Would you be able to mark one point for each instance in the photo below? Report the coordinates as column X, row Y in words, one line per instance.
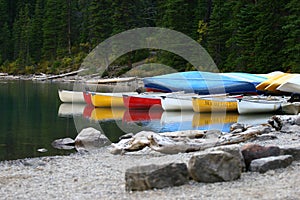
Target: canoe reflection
column 220, row 121
column 142, row 115
column 70, row 109
column 101, row 114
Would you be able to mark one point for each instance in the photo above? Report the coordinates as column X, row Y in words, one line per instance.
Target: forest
column 54, row 36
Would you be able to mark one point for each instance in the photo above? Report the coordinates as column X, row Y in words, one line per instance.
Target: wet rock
column 255, row 151
column 215, row 166
column 156, row 176
column 263, row 165
column 91, row 138
column 42, row 150
column 293, row 150
column 65, row 143
column 234, row 150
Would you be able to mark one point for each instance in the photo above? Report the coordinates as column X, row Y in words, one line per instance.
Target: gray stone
column 237, row 128
column 156, row 176
column 91, row 138
column 287, row 128
column 255, row 151
column 293, row 150
column 214, row 166
column 297, row 121
column 233, row 149
column 264, row 137
column 212, row 134
column 65, row 143
column 262, row 165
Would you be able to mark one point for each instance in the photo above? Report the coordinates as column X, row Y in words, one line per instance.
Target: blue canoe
column 205, row 82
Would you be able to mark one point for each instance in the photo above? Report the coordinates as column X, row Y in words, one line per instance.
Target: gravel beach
column 100, row 175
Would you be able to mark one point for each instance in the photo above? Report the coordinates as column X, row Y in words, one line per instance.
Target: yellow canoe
column 203, row 119
column 214, row 104
column 107, row 99
column 100, row 114
column 273, row 86
column 262, row 86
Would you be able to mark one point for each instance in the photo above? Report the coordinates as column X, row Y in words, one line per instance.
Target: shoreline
column 100, row 175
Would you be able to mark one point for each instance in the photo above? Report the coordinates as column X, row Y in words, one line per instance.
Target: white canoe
column 247, row 106
column 292, row 85
column 68, row 96
column 291, row 108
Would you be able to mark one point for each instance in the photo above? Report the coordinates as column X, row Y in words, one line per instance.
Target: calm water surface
column 32, row 117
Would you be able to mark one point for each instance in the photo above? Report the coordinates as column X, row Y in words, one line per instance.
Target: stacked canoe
column 200, row 92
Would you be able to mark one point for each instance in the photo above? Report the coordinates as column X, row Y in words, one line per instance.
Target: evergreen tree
column 36, row 39
column 292, row 36
column 5, row 39
column 270, row 36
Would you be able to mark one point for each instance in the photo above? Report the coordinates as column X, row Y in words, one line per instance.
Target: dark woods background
column 54, row 36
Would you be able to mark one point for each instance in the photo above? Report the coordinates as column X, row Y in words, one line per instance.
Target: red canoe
column 87, row 98
column 142, row 101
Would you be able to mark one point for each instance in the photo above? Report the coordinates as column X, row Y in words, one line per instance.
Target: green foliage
column 54, row 36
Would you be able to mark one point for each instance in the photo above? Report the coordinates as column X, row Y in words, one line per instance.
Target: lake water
column 32, row 117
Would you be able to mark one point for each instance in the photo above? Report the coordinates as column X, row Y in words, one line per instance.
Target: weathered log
column 168, row 143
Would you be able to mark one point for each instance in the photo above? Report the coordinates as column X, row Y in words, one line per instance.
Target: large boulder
column 263, row 165
column 255, row 151
column 214, row 166
column 156, row 176
column 293, row 150
column 91, row 138
column 233, row 149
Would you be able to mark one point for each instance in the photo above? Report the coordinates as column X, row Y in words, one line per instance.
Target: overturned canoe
column 204, row 82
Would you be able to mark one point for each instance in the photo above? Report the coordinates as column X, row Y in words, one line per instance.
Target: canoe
column 214, row 104
column 292, row 85
column 143, row 101
column 108, row 99
column 291, row 108
column 258, row 105
column 178, row 101
column 273, row 82
column 104, row 114
column 87, row 98
column 68, row 96
column 204, row 82
column 274, row 85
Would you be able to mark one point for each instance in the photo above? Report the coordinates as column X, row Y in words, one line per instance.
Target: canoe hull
column 169, row 104
column 248, row 106
column 141, row 102
column 107, row 100
column 67, row 96
column 214, row 105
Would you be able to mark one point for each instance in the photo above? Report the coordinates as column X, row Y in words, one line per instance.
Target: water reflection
column 114, row 122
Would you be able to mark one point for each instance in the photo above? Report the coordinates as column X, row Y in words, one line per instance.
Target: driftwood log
column 186, row 141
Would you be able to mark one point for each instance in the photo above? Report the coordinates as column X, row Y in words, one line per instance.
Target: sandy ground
column 101, row 175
